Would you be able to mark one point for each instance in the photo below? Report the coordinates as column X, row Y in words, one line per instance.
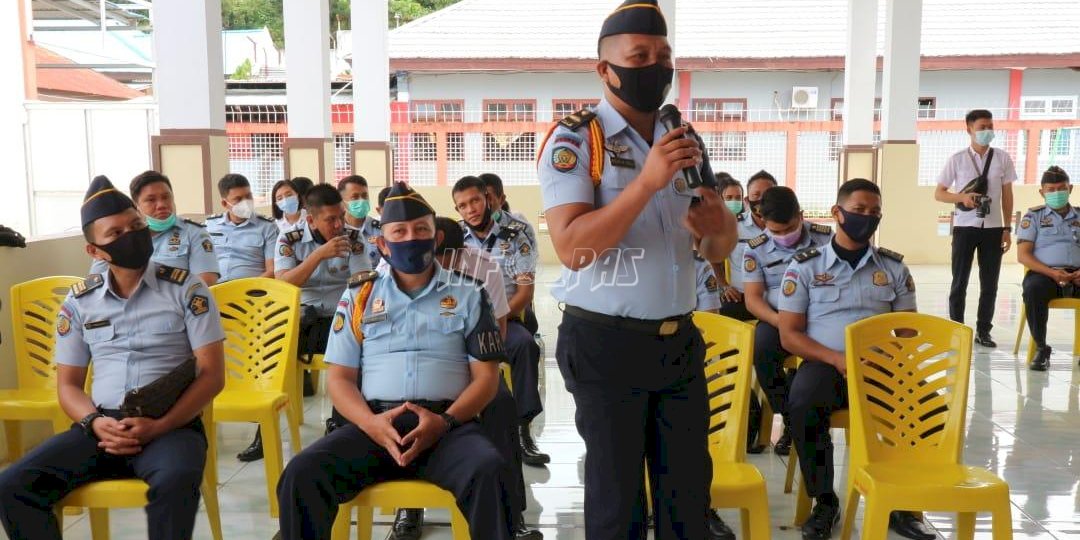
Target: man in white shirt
column 982, row 220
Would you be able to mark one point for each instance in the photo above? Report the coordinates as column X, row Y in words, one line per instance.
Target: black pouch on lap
column 155, row 399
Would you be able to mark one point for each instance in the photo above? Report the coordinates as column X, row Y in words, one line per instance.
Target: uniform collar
column 496, row 226
column 1071, row 214
column 439, row 280
column 610, row 119
column 830, row 257
column 149, row 277
column 307, row 233
column 229, row 222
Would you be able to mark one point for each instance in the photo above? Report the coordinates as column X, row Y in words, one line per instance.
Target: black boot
column 907, row 525
column 530, row 454
column 715, row 528
column 1041, row 362
column 983, row 339
column 783, row 444
column 522, row 532
column 309, row 389
column 408, row 524
column 824, row 516
column 254, row 451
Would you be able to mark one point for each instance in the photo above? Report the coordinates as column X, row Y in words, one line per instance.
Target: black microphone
column 671, row 118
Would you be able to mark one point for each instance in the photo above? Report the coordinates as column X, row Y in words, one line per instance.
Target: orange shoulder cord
column 358, row 310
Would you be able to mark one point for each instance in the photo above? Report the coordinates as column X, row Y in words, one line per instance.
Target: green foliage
column 243, row 71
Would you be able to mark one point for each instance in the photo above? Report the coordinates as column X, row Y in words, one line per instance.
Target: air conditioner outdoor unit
column 804, row 97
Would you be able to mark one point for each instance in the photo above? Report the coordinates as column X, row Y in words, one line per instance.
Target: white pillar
column 669, row 7
column 15, row 204
column 860, row 81
column 900, row 80
column 371, row 91
column 189, row 84
column 309, row 149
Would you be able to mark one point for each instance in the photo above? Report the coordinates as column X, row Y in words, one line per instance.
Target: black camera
column 982, row 206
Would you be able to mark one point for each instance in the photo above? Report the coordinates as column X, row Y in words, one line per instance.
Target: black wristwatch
column 86, row 424
column 451, row 422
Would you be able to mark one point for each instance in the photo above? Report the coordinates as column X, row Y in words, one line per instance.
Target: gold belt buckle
column 668, row 328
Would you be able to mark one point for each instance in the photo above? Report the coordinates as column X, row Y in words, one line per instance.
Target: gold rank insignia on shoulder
column 172, row 275
column 891, row 254
column 806, row 255
column 578, row 119
column 91, row 282
column 758, row 240
column 362, row 277
column 294, row 236
column 820, row 228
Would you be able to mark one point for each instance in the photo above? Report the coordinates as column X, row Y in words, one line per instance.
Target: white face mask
column 243, row 209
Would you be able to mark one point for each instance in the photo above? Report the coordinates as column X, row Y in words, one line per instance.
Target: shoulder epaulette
column 264, row 218
column 361, row 278
column 171, row 274
column 91, row 282
column 376, row 224
column 294, row 236
column 757, row 240
column 355, row 234
column 806, row 254
column 891, row 254
column 195, row 223
column 1037, row 208
column 578, row 119
column 820, row 228
column 215, row 216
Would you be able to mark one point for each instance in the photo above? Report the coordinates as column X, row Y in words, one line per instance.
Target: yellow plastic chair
column 728, row 367
column 261, row 320
column 396, row 494
column 34, row 307
column 100, row 496
column 907, row 382
column 1057, row 303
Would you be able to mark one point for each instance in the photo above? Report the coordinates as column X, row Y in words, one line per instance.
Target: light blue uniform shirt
column 650, row 273
column 765, row 261
column 323, row 289
column 415, row 348
column 1056, row 237
column 186, row 245
column 509, row 244
column 708, row 288
column 135, row 341
column 242, row 248
column 363, row 238
column 748, row 230
column 832, row 295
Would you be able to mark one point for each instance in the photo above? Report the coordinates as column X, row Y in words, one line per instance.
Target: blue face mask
column 359, row 208
column 984, row 137
column 411, row 256
column 159, row 225
column 289, row 204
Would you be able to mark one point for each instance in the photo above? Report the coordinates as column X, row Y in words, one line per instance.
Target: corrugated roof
column 567, row 29
column 84, row 82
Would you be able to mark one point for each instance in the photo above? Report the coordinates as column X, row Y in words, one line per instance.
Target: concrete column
column 912, row 229
column 309, row 148
column 371, row 92
column 15, row 205
column 860, row 71
column 189, row 83
column 676, row 94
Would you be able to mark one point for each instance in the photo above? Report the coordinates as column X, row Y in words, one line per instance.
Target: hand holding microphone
column 671, row 119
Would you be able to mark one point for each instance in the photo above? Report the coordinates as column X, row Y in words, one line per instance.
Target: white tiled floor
column 1024, row 426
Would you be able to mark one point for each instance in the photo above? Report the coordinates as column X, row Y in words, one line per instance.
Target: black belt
column 437, row 407
column 660, row 327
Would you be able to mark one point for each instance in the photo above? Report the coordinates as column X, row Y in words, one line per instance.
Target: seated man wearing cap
column 413, row 356
column 142, row 323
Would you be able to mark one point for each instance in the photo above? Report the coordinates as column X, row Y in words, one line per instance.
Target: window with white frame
column 1048, row 107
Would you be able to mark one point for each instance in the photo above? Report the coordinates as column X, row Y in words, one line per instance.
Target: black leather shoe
column 821, row 522
column 907, row 525
column 530, row 454
column 521, row 532
column 715, row 528
column 783, row 444
column 408, row 524
column 309, row 389
column 254, row 451
column 1041, row 362
column 983, row 339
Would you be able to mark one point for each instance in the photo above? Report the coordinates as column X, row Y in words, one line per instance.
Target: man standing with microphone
column 623, row 217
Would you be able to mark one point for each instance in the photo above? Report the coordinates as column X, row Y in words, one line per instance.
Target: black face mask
column 643, row 88
column 755, row 207
column 131, row 250
column 317, row 236
column 859, row 227
column 484, row 222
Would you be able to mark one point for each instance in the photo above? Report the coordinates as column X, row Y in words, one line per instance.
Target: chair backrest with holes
column 34, row 307
column 907, row 376
column 728, row 367
column 261, row 318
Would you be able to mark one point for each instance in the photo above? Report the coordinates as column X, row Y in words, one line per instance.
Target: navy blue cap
column 103, row 199
column 635, row 17
column 404, row 204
